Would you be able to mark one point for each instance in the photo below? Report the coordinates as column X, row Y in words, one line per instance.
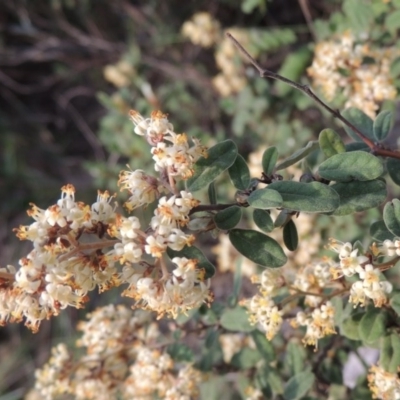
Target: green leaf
column 269, row 159
column 212, row 194
column 282, row 218
column 239, row 173
column 295, row 357
column 180, row 352
column 382, row 125
column 290, row 237
column 395, row 303
column 258, row 247
column 298, row 385
column 357, row 166
column 393, row 168
column 298, row 155
column 392, row 22
column 194, row 253
column 263, row 220
column 360, row 15
column 379, row 232
column 359, row 196
column 263, row 345
column 330, row 143
column 265, row 198
column 391, row 216
column 246, row 358
column 228, row 218
column 349, row 326
column 236, row 319
column 237, row 284
column 390, row 353
column 361, row 121
column 372, row 325
column 314, row 197
column 357, row 146
column 220, row 158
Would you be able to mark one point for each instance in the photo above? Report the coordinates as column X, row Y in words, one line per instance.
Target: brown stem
column 265, row 73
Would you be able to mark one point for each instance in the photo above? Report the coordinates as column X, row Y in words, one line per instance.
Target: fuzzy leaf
column 263, row 220
column 269, row 159
column 379, row 232
column 391, row 216
column 298, row 155
column 265, row 198
column 228, row 218
column 361, row 121
column 330, row 143
column 258, row 247
column 236, row 319
column 393, row 168
column 354, row 166
column 359, row 196
column 290, row 237
column 220, row 158
column 314, row 197
column 382, row 125
column 298, row 385
column 372, row 325
column 239, row 173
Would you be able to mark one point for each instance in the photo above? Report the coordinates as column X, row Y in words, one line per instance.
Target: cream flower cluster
column 119, row 362
column 371, row 284
column 79, row 247
column 319, row 324
column 262, row 309
column 46, row 281
column 339, row 67
column 383, row 385
column 202, row 29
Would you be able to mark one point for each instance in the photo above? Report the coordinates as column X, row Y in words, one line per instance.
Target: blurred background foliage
column 70, row 70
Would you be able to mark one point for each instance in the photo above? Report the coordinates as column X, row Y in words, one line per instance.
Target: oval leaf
column 359, row 196
column 192, row 253
column 236, row 319
column 258, row 247
column 228, row 218
column 372, row 325
column 314, row 197
column 391, row 216
column 298, row 385
column 379, row 232
column 354, row 166
column 298, row 155
column 393, row 168
column 239, row 173
column 263, row 220
column 265, row 199
column 382, row 125
column 361, row 121
column 331, row 143
column 269, row 159
column 245, row 358
column 290, row 237
column 220, row 158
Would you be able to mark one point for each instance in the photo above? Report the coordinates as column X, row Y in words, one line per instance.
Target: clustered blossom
column 79, row 247
column 371, row 283
column 262, row 309
column 339, row 66
column 318, row 325
column 383, row 384
column 202, row 29
column 119, row 362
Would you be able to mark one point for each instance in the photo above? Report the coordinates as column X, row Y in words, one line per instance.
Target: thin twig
column 265, row 73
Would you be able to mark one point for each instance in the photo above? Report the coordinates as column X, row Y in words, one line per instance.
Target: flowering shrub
column 307, row 309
